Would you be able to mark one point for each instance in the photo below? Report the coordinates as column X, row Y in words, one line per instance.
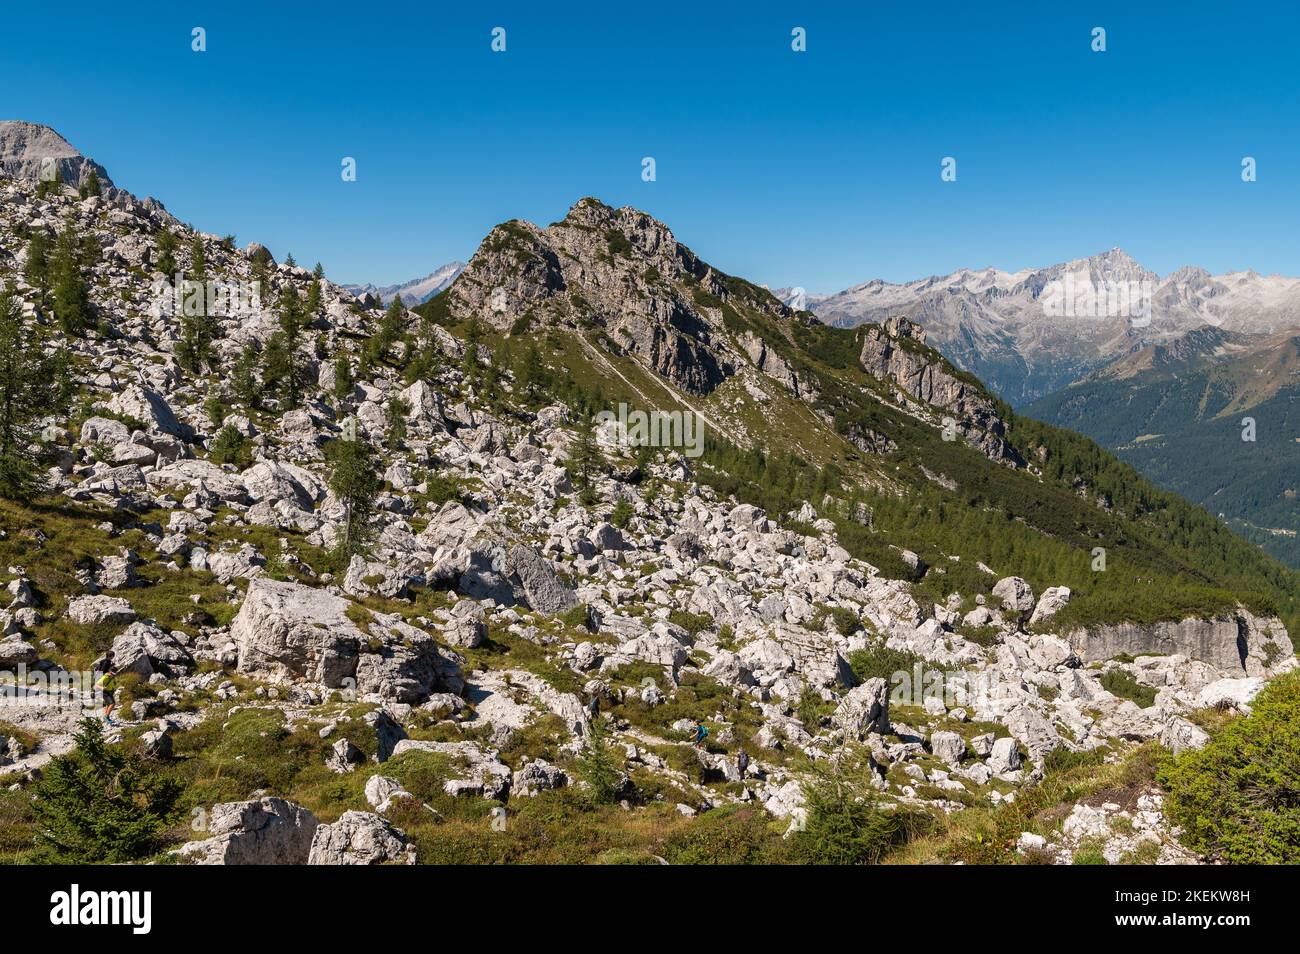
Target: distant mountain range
column 415, row 292
column 1032, row 332
column 1181, row 412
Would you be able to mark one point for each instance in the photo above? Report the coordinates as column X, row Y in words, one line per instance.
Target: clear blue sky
column 818, row 169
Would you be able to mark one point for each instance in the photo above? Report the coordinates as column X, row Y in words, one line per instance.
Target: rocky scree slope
column 513, row 609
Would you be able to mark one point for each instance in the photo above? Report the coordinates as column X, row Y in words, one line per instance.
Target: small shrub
column 229, row 447
column 1122, row 683
column 882, row 662
column 1237, row 799
column 847, row 825
column 598, row 767
column 622, row 514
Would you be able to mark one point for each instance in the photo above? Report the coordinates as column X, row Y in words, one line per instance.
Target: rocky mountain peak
column 26, row 148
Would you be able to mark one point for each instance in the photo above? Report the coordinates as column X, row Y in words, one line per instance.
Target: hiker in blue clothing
column 701, row 733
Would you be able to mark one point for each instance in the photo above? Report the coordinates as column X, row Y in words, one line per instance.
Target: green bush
column 732, row 835
column 693, row 623
column 1122, row 683
column 621, row 514
column 229, row 447
column 100, row 804
column 881, row 661
column 599, row 767
column 1238, row 798
column 848, row 826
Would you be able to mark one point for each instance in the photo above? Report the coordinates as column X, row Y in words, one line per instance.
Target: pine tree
column 318, row 272
column 261, row 269
column 244, row 380
column 355, row 483
column 99, row 804
column 597, row 765
column 585, row 458
column 29, row 391
column 389, row 331
column 167, row 244
column 471, row 366
column 313, row 299
column 198, row 260
column 285, row 369
column 344, row 382
column 92, row 185
column 36, row 270
column 398, row 408
column 71, row 298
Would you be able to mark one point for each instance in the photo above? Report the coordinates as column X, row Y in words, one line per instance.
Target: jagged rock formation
column 28, row 151
column 886, row 355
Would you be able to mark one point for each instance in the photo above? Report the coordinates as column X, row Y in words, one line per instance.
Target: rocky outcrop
column 29, row 150
column 264, row 831
column 1233, row 642
column 360, row 838
column 618, row 268
column 896, row 351
column 537, row 582
column 287, row 631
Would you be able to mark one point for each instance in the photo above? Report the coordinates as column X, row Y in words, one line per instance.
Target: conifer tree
column 585, row 458
column 101, row 805
column 244, row 379
column 355, row 482
column 29, row 391
column 36, row 270
column 344, row 382
column 68, row 286
column 92, row 185
column 167, row 253
column 198, row 260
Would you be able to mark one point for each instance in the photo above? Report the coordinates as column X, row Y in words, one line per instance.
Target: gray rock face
column 287, row 631
column 24, row 147
column 1053, row 600
column 1004, row 757
column 537, row 776
column 273, row 481
column 1015, row 594
column 1236, row 643
column 149, row 408
column 14, row 651
column 541, row 587
column 864, row 709
column 948, row 746
column 360, row 838
column 893, row 352
column 144, row 649
column 467, row 627
column 606, row 259
column 344, row 757
column 100, row 610
column 265, row 831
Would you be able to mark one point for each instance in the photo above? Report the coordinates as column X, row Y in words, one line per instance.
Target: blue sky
column 818, row 169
